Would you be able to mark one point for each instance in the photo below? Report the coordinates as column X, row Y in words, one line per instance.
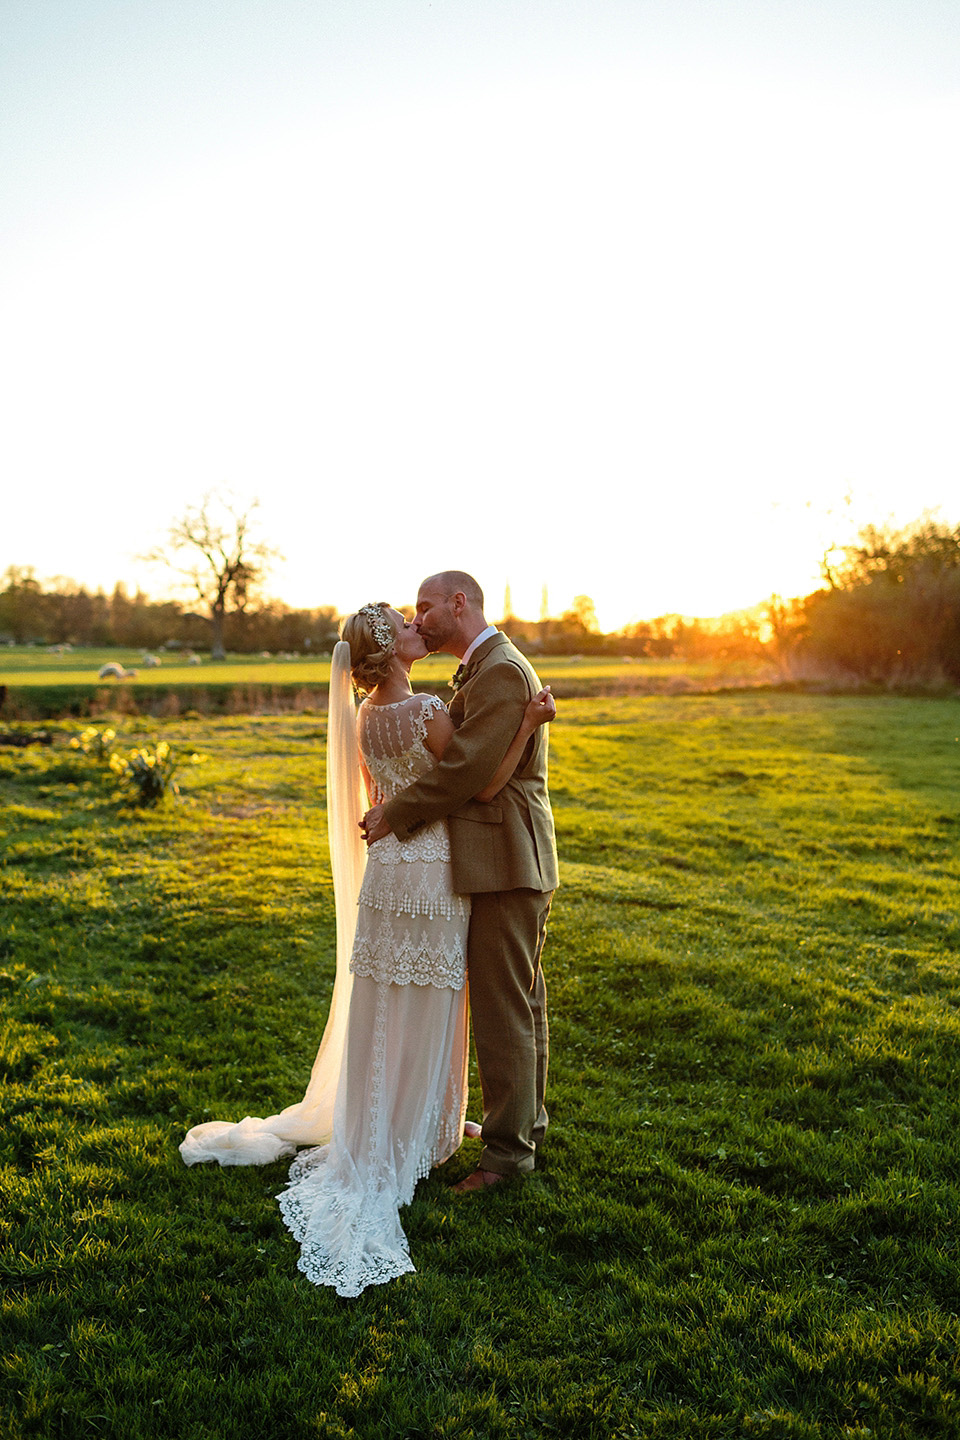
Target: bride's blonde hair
column 366, row 633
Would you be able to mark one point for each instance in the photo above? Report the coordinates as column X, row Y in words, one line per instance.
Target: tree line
column 67, row 614
column 888, row 613
column 63, row 613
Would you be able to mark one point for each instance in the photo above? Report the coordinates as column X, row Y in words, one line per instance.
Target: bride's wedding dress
column 387, row 1095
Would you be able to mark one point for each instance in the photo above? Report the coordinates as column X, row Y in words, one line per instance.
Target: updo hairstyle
column 369, row 658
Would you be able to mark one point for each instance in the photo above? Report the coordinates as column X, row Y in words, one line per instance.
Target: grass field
column 30, row 665
column 745, row 1219
column 44, row 683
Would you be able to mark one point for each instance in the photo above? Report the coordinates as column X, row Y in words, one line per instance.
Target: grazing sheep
column 194, row 660
column 151, row 661
column 113, row 671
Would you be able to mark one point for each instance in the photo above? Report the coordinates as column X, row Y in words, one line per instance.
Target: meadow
column 47, row 682
column 744, row 1221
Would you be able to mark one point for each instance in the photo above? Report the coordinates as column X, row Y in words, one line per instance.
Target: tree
column 579, row 625
column 22, row 607
column 214, row 547
column 891, row 612
column 584, row 615
column 786, row 625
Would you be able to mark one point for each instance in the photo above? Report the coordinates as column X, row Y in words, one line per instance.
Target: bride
column 387, row 1094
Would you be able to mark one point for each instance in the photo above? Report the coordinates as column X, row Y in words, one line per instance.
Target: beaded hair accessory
column 383, row 631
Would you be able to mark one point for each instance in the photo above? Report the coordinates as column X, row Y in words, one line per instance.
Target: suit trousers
column 508, row 1007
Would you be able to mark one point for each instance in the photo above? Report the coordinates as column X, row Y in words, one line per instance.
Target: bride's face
column 409, row 645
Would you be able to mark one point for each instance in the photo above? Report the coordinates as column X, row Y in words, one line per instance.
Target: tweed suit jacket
column 509, row 843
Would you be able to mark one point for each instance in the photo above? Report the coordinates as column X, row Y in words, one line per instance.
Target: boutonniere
column 456, row 679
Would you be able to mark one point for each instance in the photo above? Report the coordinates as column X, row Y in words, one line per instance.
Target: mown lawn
column 745, row 1219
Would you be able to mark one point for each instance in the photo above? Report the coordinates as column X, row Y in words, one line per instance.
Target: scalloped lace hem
column 350, row 1234
column 349, row 1284
column 376, row 1247
column 421, row 962
column 454, row 979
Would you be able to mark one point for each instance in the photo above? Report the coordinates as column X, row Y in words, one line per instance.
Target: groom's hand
column 373, row 827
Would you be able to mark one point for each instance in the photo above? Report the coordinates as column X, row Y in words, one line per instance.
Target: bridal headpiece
column 383, row 631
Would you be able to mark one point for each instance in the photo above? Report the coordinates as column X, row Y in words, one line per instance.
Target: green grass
column 745, row 1219
column 32, row 667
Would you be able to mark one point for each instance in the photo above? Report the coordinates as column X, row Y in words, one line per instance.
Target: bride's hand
column 373, row 827
column 541, row 709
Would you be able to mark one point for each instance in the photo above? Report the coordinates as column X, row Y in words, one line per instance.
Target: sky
column 653, row 301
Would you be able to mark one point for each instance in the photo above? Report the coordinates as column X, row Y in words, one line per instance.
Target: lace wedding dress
column 387, row 1095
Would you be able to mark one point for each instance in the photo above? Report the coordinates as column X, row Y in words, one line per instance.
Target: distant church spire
column 544, row 606
column 507, row 603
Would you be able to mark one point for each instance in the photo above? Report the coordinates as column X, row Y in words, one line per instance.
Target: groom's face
column 436, row 617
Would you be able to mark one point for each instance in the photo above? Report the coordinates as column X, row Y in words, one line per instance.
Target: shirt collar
column 487, row 634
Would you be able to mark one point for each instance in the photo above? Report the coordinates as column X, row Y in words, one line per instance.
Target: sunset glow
column 638, row 307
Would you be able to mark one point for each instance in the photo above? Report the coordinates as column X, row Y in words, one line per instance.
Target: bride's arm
column 539, row 710
column 367, row 782
column 439, row 732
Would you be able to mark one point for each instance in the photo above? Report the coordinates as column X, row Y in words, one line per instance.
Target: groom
column 504, row 856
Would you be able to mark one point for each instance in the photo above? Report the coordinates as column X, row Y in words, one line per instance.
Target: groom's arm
column 493, row 710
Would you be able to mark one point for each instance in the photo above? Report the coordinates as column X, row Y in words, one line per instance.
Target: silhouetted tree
column 786, row 622
column 213, row 547
column 22, row 615
column 891, row 610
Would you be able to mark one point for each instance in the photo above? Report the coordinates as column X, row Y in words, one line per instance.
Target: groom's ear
column 459, row 602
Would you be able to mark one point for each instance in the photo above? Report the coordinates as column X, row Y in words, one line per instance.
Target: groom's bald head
column 450, row 611
column 452, row 582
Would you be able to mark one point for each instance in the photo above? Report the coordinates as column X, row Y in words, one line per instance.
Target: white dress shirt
column 474, row 644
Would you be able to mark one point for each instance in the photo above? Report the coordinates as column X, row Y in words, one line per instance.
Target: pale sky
column 649, row 300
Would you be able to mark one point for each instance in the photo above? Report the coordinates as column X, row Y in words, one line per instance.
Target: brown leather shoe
column 478, row 1180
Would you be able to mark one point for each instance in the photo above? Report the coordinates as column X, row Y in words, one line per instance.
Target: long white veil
column 253, row 1141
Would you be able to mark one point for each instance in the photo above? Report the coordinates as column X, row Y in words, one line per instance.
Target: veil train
column 255, row 1141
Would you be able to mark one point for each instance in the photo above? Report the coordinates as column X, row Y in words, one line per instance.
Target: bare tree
column 214, row 547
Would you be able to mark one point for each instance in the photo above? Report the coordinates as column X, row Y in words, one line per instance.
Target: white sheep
column 151, row 661
column 113, row 671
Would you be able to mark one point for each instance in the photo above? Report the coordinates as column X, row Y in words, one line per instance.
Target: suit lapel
column 481, row 653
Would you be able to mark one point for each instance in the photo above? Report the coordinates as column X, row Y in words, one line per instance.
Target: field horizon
column 54, row 682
